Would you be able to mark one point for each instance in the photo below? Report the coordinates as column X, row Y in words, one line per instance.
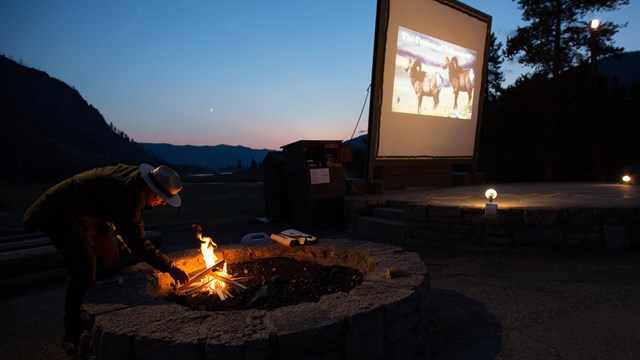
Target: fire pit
column 382, row 317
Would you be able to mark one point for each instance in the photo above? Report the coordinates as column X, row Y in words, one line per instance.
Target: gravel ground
column 533, row 305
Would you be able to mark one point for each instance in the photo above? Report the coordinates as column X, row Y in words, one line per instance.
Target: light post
column 594, row 26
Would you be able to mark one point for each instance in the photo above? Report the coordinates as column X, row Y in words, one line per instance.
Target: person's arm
column 178, row 275
column 132, row 232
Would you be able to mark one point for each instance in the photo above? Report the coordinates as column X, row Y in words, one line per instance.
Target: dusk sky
column 255, row 73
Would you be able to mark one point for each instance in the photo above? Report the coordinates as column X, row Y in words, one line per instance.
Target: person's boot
column 72, row 332
column 70, row 345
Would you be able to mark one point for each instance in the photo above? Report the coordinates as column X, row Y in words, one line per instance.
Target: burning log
column 222, row 292
column 227, row 292
column 216, row 282
column 197, row 287
column 200, row 275
column 233, row 283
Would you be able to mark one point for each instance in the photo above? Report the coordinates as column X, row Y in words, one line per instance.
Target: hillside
column 51, row 132
column 209, row 157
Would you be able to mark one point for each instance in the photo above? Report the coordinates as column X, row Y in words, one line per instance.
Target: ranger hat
column 164, row 181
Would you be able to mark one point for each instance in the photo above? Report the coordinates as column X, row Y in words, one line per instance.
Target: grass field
column 215, row 203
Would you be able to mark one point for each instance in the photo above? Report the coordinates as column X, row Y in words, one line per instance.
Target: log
column 235, row 284
column 200, row 275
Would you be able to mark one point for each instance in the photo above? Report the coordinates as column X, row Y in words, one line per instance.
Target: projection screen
column 428, row 79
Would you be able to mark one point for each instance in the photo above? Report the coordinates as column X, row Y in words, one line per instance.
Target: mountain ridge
column 211, row 157
column 51, row 132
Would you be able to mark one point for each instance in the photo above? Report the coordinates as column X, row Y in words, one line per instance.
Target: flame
column 207, row 248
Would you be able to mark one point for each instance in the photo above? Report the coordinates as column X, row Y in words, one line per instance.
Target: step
column 389, row 213
column 380, row 228
column 33, row 255
column 20, row 237
column 24, row 244
column 27, row 261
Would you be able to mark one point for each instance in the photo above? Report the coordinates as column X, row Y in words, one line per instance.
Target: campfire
column 145, row 316
column 213, row 279
column 262, row 283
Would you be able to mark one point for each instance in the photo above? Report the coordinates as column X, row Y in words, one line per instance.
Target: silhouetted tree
column 254, row 164
column 495, row 78
column 557, row 35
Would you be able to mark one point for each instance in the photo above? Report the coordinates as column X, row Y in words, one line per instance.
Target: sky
column 256, row 73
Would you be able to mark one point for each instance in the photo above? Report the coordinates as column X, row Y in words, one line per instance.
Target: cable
column 354, row 132
column 361, row 111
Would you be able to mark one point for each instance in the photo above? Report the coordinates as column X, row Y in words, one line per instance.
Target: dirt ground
column 532, row 305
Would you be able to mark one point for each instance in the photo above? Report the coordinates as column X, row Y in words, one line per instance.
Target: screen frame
column 377, row 78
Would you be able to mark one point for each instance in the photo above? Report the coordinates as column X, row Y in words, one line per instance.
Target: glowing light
column 594, row 24
column 491, row 194
column 626, row 178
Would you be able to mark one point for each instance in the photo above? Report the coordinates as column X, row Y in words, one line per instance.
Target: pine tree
column 494, row 73
column 557, row 37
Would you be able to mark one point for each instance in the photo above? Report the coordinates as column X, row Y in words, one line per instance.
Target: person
column 78, row 215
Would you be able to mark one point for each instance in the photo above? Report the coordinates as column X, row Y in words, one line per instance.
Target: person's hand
column 178, row 275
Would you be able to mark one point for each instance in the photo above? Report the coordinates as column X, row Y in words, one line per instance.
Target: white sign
column 319, row 176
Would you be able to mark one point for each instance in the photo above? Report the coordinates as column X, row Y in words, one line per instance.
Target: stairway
column 383, row 223
column 30, row 253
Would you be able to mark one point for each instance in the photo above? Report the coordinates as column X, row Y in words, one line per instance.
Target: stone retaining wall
column 557, row 227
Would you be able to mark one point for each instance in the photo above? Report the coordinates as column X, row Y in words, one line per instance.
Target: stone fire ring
column 383, row 318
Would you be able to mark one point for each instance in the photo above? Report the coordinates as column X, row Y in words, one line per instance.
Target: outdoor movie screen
column 432, row 80
column 422, row 65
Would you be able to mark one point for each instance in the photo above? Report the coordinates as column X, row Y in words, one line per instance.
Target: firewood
column 193, row 289
column 221, row 294
column 200, row 275
column 235, row 284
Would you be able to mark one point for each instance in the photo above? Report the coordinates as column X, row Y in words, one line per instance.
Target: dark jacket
column 112, row 194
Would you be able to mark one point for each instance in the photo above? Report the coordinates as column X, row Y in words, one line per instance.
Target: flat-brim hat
column 164, row 181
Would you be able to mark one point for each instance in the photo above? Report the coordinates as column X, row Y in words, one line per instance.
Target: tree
column 494, row 73
column 557, row 36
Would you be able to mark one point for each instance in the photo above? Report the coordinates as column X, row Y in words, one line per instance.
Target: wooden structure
column 316, row 181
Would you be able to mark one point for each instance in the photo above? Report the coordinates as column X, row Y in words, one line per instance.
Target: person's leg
column 106, row 251
column 70, row 237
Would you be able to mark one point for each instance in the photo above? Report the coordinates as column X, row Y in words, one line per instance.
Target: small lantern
column 491, row 194
column 491, row 210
